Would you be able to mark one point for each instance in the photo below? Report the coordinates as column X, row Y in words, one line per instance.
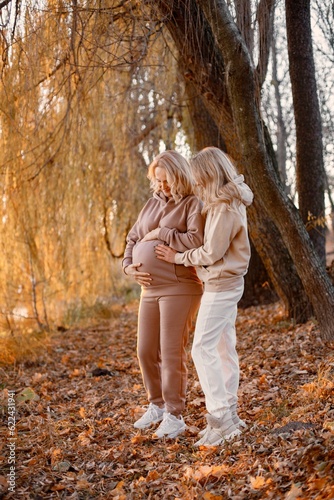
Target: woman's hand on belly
column 140, row 277
column 165, row 253
column 152, row 235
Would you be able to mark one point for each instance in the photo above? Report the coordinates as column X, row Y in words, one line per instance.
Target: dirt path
column 75, row 439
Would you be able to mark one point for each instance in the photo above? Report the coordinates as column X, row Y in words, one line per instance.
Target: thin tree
column 309, row 158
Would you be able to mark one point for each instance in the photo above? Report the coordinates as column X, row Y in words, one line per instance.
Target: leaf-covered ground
column 75, row 407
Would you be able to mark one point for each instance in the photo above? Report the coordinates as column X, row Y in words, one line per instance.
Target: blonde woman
column 170, row 293
column 222, row 262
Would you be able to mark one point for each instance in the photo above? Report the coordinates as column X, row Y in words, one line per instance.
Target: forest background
column 90, row 93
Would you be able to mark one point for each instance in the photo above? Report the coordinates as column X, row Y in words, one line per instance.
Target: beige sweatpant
column 164, row 323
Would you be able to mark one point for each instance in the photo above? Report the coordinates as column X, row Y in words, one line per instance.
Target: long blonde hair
column 177, row 172
column 214, row 175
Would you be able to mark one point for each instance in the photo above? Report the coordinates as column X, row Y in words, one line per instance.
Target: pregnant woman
column 170, row 294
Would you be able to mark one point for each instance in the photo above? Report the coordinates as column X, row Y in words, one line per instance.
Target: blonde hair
column 177, row 172
column 214, row 175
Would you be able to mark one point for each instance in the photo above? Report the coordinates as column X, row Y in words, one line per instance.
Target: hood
column 245, row 191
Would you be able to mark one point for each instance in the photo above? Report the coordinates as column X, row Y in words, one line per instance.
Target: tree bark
column 265, row 15
column 204, row 131
column 263, row 178
column 309, row 159
column 259, row 289
column 277, row 260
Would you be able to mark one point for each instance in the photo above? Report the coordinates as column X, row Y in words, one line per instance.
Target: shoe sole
column 241, row 427
column 228, row 437
column 171, row 435
column 222, row 439
column 147, row 425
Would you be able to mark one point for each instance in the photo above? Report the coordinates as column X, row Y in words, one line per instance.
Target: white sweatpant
column 214, row 349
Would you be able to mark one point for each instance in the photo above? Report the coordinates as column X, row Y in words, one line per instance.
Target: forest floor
column 76, row 403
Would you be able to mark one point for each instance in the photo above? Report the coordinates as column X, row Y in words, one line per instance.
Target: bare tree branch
column 4, row 3
column 265, row 19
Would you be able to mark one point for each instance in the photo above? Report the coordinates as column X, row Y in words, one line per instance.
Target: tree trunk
column 278, row 263
column 259, row 289
column 263, row 178
column 204, row 67
column 204, row 130
column 309, row 158
column 281, row 135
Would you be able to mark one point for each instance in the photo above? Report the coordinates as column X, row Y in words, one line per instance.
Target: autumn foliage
column 77, row 401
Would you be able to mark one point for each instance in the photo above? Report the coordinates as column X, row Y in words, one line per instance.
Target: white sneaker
column 237, row 421
column 170, row 427
column 218, row 430
column 152, row 415
column 202, row 432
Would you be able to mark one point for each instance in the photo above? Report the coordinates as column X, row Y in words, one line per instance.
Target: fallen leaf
column 27, row 394
column 205, row 471
column 138, row 439
column 329, row 426
column 55, row 455
column 85, row 437
column 294, row 493
column 82, row 484
column 220, row 470
column 58, row 487
column 152, row 476
column 211, row 496
column 62, row 466
column 257, row 482
column 3, row 481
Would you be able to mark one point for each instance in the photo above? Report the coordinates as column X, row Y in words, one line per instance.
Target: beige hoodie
column 223, row 258
column 181, row 227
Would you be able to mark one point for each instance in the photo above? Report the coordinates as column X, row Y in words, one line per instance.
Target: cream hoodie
column 223, row 258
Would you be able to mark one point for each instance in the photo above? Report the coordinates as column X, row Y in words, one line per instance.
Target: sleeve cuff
column 163, row 233
column 178, row 258
column 126, row 263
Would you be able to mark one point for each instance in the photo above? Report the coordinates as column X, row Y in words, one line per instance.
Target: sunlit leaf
column 211, row 496
column 27, row 394
column 152, row 475
column 294, row 493
column 329, row 426
column 257, row 482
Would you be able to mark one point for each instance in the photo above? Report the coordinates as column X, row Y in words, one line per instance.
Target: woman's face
column 161, row 178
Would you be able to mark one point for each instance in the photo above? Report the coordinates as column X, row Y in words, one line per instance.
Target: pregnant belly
column 161, row 272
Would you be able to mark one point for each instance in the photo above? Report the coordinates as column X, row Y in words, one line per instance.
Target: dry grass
column 322, row 386
column 22, row 346
column 26, row 344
